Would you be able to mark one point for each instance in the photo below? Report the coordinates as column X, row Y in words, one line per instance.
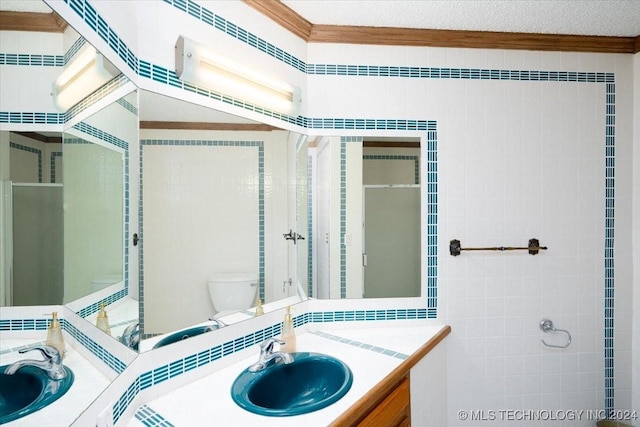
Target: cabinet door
column 393, row 411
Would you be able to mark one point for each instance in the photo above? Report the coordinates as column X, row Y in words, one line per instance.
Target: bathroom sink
column 312, row 381
column 29, row 390
column 184, row 334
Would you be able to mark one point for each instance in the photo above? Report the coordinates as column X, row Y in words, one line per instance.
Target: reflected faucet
column 218, row 324
column 131, row 336
column 52, row 363
column 269, row 357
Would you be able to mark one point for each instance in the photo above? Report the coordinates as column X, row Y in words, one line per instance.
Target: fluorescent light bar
column 198, row 65
column 87, row 72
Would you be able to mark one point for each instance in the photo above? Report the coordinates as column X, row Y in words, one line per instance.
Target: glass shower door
column 37, row 244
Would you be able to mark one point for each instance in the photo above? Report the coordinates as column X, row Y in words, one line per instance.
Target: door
column 391, row 241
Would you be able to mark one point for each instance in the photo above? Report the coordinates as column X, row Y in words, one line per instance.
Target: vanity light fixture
column 87, row 72
column 202, row 67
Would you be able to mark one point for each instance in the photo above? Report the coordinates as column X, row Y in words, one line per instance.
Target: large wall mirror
column 369, row 217
column 218, row 195
column 66, row 223
column 97, row 206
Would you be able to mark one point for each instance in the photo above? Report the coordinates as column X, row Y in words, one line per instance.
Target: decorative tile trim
column 99, row 351
column 219, row 23
column 310, row 228
column 362, row 345
column 150, row 418
column 99, row 134
column 52, row 164
column 609, row 247
column 432, row 224
column 415, row 159
column 128, row 106
column 35, row 151
column 97, row 23
column 32, row 60
column 42, row 324
column 100, row 93
column 31, row 118
column 456, row 73
column 261, row 208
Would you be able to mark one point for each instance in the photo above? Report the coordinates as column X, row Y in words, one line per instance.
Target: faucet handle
column 49, row 353
column 266, row 347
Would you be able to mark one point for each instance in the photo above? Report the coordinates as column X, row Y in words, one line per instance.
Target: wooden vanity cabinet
column 386, row 405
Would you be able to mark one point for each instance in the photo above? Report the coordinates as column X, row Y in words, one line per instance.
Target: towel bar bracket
column 455, row 247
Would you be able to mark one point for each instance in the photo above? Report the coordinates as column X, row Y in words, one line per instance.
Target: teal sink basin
column 29, row 390
column 184, row 334
column 312, row 381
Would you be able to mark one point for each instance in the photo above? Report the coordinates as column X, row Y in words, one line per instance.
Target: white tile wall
column 526, row 136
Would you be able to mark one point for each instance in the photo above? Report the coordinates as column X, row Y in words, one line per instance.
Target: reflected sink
column 29, row 390
column 312, row 381
column 184, row 334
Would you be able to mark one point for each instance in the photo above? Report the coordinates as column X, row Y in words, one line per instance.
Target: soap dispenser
column 288, row 333
column 259, row 309
column 54, row 335
column 102, row 322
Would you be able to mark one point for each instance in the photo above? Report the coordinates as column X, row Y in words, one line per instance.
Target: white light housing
column 197, row 65
column 87, row 72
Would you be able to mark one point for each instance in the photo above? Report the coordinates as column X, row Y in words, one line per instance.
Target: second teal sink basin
column 29, row 390
column 183, row 335
column 312, row 381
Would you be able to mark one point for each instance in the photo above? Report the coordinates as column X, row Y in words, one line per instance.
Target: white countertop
column 207, row 401
column 88, row 383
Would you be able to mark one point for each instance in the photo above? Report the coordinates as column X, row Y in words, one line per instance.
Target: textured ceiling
column 581, row 17
column 25, row 6
column 577, row 17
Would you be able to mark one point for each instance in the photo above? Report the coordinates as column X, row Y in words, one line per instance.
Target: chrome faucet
column 218, row 324
column 131, row 336
column 52, row 363
column 269, row 357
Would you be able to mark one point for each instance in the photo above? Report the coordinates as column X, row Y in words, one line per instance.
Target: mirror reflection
column 218, row 193
column 368, row 233
column 68, row 229
column 93, row 216
column 35, row 200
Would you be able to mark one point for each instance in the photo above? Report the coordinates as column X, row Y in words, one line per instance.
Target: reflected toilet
column 231, row 292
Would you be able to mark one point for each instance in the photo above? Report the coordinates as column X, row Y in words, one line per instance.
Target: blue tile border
column 609, row 248
column 31, row 150
column 310, row 228
column 150, row 418
column 415, row 159
column 260, row 167
column 52, row 164
column 42, row 324
column 364, row 346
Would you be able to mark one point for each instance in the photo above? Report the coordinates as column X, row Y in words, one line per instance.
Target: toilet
column 231, row 292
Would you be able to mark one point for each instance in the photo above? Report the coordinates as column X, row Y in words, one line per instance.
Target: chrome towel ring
column 546, row 325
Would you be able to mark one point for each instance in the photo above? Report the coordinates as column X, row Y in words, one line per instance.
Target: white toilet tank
column 231, row 292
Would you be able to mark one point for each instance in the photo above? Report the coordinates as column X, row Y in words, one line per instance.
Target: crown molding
column 312, row 33
column 40, row 137
column 32, row 21
column 284, row 16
